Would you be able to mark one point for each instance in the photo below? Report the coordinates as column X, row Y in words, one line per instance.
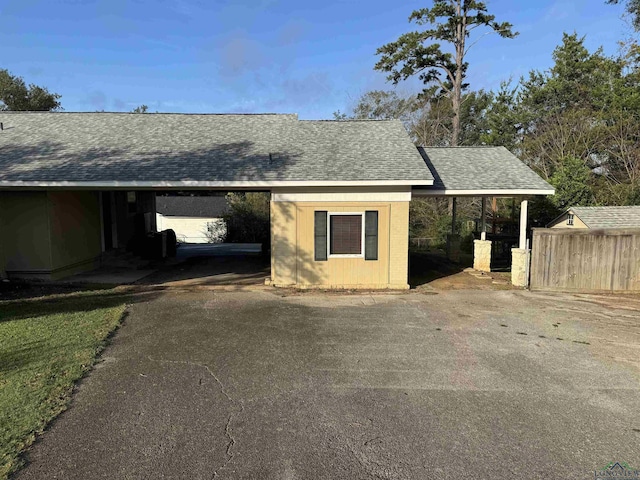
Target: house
column 598, row 217
column 194, row 219
column 75, row 185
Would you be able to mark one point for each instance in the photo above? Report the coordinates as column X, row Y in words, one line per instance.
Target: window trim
column 362, row 234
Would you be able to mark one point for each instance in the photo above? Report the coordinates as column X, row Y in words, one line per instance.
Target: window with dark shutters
column 346, row 235
column 320, row 234
column 371, row 235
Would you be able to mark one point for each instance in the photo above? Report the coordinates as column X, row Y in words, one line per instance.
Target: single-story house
column 598, row 217
column 194, row 219
column 75, row 185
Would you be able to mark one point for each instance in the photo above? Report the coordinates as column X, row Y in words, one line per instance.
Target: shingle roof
column 192, row 206
column 608, row 217
column 43, row 147
column 480, row 168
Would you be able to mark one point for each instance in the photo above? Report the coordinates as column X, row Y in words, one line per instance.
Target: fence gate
column 585, row 260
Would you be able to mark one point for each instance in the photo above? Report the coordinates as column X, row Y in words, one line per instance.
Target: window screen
column 346, row 235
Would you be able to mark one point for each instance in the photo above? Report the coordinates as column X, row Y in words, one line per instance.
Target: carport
column 340, row 190
column 484, row 172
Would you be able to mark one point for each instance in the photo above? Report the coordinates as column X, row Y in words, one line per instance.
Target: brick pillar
column 453, row 247
column 482, row 255
column 520, row 267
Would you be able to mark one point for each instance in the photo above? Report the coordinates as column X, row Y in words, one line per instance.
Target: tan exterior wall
column 561, row 222
column 189, row 229
column 75, row 232
column 24, row 217
column 49, row 234
column 292, row 247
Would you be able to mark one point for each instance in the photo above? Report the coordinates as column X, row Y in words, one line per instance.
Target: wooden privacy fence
column 584, row 260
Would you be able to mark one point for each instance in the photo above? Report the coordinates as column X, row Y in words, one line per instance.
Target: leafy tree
column 340, row 116
column 420, row 53
column 15, row 95
column 248, row 219
column 502, row 120
column 633, row 9
column 571, row 180
column 140, row 109
column 384, row 105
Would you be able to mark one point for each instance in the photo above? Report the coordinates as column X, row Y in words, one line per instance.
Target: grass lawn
column 46, row 345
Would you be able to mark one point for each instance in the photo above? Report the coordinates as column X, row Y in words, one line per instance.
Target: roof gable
column 608, row 217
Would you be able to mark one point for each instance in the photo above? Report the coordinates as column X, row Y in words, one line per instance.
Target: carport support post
column 482, row 247
column 524, row 210
column 520, row 256
column 453, row 239
column 483, row 220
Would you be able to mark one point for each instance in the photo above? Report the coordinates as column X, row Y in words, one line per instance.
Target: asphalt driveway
column 257, row 384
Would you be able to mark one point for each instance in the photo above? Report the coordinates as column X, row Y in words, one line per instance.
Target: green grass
column 46, row 345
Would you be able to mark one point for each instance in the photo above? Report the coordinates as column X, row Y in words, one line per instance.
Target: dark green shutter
column 371, row 235
column 320, row 234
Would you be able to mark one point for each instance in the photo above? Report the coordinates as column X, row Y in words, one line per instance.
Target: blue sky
column 286, row 56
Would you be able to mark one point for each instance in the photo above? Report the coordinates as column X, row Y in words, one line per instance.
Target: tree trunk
column 456, row 101
column 455, row 130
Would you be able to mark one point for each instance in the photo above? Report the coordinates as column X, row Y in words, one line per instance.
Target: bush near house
column 47, row 344
column 248, row 219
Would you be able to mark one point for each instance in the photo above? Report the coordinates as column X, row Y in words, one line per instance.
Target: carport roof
column 124, row 150
column 492, row 171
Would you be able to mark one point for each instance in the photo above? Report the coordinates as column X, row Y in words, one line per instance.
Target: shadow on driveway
column 217, row 264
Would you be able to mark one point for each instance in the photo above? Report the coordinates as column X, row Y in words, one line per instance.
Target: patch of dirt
column 471, row 281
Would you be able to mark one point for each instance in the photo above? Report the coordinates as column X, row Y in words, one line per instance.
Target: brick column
column 520, row 267
column 482, row 255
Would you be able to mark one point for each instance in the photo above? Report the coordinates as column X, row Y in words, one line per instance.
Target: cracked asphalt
column 267, row 384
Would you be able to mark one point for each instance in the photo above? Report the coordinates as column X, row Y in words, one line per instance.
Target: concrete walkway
column 260, row 385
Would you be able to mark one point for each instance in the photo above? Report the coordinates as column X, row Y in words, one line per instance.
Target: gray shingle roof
column 208, row 206
column 480, row 168
column 122, row 147
column 608, row 217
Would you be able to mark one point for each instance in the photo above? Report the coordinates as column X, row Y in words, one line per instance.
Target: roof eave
column 204, row 185
column 489, row 192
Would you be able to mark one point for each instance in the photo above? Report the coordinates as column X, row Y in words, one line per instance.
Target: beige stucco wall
column 49, row 234
column 561, row 222
column 189, row 229
column 292, row 247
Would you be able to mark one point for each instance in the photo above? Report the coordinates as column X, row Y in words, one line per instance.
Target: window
column 345, row 235
column 570, row 219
